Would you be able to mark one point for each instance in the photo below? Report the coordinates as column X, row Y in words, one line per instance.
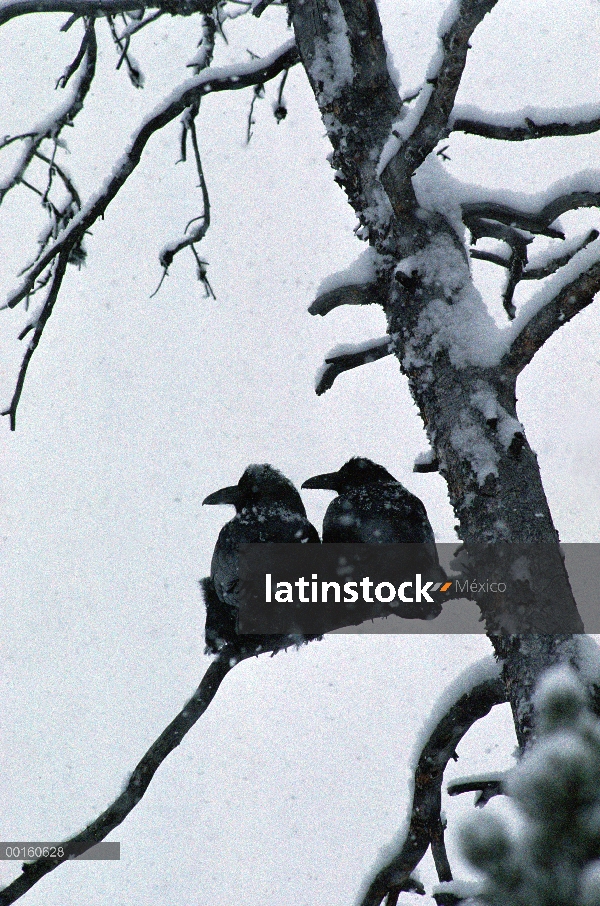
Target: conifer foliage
column 549, row 855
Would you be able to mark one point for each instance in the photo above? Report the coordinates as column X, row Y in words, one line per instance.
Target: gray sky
column 136, row 408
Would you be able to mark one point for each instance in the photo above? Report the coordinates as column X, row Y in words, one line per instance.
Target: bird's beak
column 327, row 482
column 225, row 495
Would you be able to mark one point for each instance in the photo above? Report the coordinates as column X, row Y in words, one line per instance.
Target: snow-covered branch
column 354, row 294
column 526, row 124
column 226, row 78
column 81, row 8
column 551, row 310
column 138, row 781
column 344, row 358
column 425, row 824
column 52, row 125
column 434, row 106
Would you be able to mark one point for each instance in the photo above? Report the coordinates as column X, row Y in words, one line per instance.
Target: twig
column 52, row 127
column 486, row 788
column 337, row 364
column 425, row 810
column 223, row 79
column 139, row 780
column 40, row 323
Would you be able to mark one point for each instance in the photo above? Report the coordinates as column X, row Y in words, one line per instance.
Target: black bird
column 372, row 507
column 268, row 508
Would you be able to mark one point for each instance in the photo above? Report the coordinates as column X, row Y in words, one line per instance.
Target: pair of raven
column 372, row 507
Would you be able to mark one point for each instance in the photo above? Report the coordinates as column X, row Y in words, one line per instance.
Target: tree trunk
column 442, row 333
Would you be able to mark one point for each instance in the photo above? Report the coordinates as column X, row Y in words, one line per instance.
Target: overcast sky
column 136, row 408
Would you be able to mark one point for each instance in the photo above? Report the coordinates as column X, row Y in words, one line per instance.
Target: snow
column 362, row 270
column 332, row 68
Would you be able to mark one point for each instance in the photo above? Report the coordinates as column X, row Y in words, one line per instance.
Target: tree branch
column 425, row 823
column 355, row 294
column 543, row 270
column 338, row 363
column 524, row 127
column 438, row 98
column 14, row 8
column 53, row 125
column 568, row 302
column 534, row 223
column 38, row 329
column 227, row 78
column 139, row 780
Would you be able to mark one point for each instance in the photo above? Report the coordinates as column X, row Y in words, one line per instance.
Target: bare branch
column 485, row 787
column 491, row 257
column 229, row 78
column 197, row 228
column 140, row 779
column 345, row 361
column 522, row 220
column 426, row 804
column 568, row 302
column 441, row 90
column 38, row 329
column 524, row 128
column 355, row 294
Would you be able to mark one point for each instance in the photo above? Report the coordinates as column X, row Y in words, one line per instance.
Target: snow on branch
column 475, row 702
column 225, row 78
column 529, row 123
column 138, row 781
column 485, row 786
column 554, row 306
column 546, row 267
column 429, row 120
column 52, row 125
column 80, row 8
column 344, row 358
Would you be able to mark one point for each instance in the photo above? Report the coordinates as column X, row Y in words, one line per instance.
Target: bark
column 466, row 398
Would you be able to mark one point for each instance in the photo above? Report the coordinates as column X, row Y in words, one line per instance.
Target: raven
column 268, row 508
column 372, row 507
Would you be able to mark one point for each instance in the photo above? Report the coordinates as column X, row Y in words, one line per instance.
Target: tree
column 461, row 368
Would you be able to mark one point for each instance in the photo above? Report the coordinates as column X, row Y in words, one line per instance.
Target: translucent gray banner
column 294, row 589
column 27, row 852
